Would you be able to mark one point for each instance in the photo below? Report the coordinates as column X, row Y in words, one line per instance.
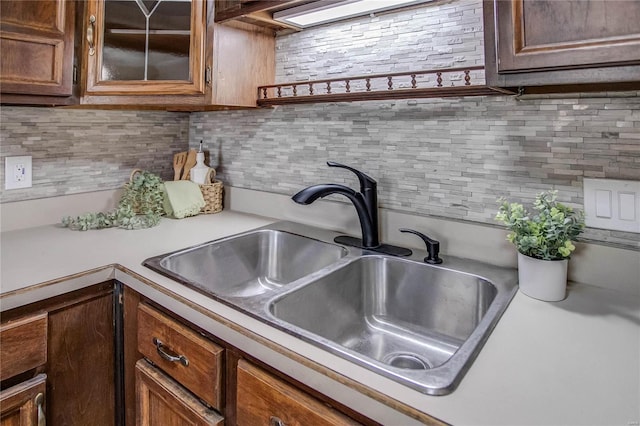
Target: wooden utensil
column 179, row 160
column 188, row 165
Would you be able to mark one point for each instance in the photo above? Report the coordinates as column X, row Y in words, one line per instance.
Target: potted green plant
column 544, row 240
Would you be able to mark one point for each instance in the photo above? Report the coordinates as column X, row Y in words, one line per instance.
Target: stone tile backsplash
column 78, row 151
column 444, row 157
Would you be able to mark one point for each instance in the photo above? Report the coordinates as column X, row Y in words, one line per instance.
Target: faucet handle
column 433, row 246
column 366, row 181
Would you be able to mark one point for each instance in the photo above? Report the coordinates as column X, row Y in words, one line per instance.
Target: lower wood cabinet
column 71, row 339
column 162, row 401
column 24, row 404
column 263, row 399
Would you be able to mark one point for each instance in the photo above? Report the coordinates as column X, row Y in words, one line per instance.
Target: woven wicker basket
column 212, row 194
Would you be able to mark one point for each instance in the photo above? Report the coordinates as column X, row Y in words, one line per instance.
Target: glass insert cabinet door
column 145, row 46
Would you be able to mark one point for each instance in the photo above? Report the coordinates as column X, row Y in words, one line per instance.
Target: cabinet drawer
column 263, row 399
column 162, row 401
column 192, row 360
column 23, row 345
column 23, row 404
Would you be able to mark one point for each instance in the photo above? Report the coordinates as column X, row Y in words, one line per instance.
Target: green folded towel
column 182, row 198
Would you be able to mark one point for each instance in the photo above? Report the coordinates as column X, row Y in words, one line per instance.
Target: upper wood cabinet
column 550, row 42
column 170, row 53
column 36, row 46
column 142, row 48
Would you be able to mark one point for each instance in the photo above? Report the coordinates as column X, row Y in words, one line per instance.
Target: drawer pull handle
column 39, row 401
column 276, row 421
column 170, row 355
column 90, row 35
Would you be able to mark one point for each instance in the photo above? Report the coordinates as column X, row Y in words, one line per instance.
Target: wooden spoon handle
column 178, row 163
column 188, row 165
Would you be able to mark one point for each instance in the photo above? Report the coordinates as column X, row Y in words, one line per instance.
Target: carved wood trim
column 404, row 85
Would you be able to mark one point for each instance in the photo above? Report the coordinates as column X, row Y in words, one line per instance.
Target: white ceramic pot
column 543, row 279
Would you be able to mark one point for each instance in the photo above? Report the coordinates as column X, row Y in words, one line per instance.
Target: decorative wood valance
column 434, row 83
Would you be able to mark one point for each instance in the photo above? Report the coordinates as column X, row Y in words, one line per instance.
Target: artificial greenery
column 140, row 206
column 548, row 232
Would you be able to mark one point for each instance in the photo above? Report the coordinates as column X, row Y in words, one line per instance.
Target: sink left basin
column 248, row 264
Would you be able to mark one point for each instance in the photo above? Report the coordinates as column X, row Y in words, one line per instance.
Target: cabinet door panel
column 36, row 46
column 23, row 404
column 81, row 363
column 145, row 48
column 163, row 402
column 551, row 34
column 264, row 400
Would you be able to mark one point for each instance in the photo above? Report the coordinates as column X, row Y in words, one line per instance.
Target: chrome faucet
column 366, row 204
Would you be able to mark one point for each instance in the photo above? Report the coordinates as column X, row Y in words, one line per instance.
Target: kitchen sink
column 419, row 324
column 248, row 264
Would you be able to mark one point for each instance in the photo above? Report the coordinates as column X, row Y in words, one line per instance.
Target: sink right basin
column 402, row 317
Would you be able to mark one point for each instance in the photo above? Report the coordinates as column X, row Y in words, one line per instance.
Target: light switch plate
column 17, row 172
column 612, row 204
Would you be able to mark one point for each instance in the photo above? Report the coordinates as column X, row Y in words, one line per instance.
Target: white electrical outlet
column 17, row 172
column 612, row 204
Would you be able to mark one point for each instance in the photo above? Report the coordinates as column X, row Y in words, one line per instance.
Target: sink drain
column 407, row 361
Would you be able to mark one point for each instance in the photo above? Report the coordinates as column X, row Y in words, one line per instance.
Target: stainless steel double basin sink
column 418, row 324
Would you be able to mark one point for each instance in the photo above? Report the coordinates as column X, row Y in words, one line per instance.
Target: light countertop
column 570, row 362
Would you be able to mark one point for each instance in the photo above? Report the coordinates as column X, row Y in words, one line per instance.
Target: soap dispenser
column 200, row 170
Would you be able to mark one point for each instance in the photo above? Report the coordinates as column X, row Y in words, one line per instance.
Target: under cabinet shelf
column 434, row 83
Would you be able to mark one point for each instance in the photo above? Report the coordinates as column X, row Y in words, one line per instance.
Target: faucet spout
column 367, row 214
column 312, row 193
